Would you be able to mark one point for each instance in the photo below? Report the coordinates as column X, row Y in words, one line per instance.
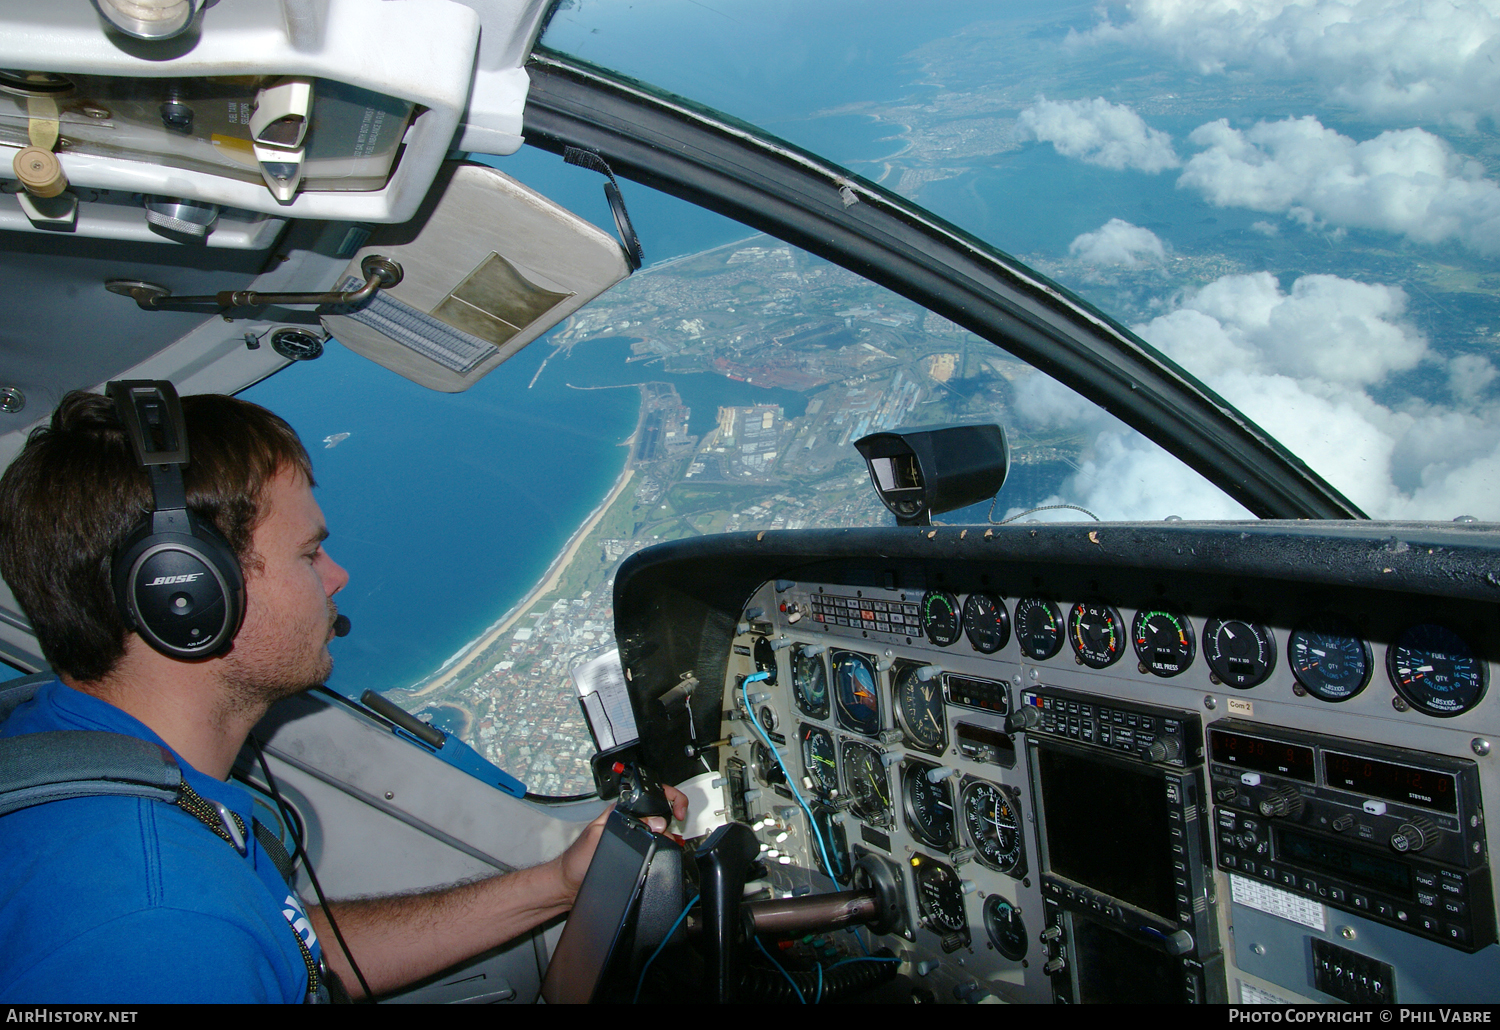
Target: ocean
column 447, row 508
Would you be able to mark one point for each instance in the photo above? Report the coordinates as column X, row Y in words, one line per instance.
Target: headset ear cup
column 182, row 592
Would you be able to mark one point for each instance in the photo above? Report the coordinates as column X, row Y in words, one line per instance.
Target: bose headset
column 177, row 582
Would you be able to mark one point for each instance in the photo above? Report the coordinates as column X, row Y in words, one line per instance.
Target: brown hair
column 76, row 491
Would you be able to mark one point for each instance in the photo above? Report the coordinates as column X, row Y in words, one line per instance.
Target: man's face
column 282, row 648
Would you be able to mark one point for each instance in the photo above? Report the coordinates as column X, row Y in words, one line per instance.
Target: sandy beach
column 548, row 582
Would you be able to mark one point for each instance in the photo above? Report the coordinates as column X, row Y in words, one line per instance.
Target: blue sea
column 447, row 508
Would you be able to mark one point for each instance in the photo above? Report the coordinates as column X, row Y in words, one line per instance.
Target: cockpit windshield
column 1300, row 209
column 1297, row 202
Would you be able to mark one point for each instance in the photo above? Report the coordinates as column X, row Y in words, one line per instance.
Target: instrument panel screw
column 1399, row 703
column 1299, row 689
column 1259, row 949
column 390, row 795
column 1347, row 932
column 12, row 400
column 1480, row 746
column 1210, row 702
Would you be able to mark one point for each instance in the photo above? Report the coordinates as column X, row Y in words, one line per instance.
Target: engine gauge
column 810, row 684
column 1005, row 927
column 1164, row 641
column 940, row 896
column 765, row 659
column 1329, row 658
column 1097, row 634
column 986, row 623
column 920, row 710
column 865, row 780
column 1436, row 670
column 990, row 821
column 928, row 806
column 855, row 693
column 941, row 618
column 819, row 759
column 1039, row 628
column 1242, row 654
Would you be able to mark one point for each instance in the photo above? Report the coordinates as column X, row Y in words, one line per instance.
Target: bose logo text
column 162, row 581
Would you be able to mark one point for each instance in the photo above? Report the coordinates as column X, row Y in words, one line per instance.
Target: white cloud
column 1301, row 364
column 1117, row 242
column 1403, row 58
column 1098, row 133
column 1298, row 363
column 1407, row 181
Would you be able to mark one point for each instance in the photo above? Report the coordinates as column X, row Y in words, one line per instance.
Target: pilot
column 124, row 899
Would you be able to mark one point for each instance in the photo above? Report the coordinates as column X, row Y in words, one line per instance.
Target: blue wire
column 820, row 985
column 800, row 996
column 681, row 916
column 755, row 721
column 866, row 958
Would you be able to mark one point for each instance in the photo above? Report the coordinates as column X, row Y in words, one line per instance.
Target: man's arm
column 399, row 939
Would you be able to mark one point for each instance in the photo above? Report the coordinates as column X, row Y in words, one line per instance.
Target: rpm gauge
column 986, row 623
column 1241, row 654
column 810, row 683
column 929, row 806
column 855, row 693
column 1164, row 641
column 1330, row 659
column 1039, row 628
column 941, row 619
column 919, row 707
column 990, row 821
column 1435, row 669
column 1097, row 634
column 865, row 781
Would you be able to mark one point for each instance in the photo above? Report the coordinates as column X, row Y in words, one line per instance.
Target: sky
column 1396, row 148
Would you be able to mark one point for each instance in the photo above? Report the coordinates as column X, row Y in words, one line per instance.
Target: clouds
column 1407, row 181
column 1306, row 364
column 1117, row 242
column 1302, row 364
column 1098, row 133
column 1417, row 59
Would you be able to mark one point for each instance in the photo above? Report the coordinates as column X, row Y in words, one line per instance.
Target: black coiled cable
column 768, row 986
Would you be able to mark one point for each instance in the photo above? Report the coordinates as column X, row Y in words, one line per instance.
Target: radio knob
column 1414, row 835
column 1163, row 749
column 1283, row 802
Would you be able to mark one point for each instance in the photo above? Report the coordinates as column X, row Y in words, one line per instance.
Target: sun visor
column 488, row 266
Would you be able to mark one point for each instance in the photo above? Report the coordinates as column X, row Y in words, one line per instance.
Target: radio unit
column 1393, row 835
column 1125, row 866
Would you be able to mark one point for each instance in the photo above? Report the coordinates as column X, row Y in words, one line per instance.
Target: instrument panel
column 935, row 725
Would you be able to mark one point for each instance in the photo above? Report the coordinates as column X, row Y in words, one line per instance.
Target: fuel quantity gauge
column 1330, row 659
column 1436, row 670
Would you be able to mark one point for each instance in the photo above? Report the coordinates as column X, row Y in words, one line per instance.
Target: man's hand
column 574, row 863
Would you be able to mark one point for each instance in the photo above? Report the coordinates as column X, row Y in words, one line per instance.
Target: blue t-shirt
column 127, row 900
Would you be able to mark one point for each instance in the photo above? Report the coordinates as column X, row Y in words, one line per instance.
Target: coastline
column 548, row 582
